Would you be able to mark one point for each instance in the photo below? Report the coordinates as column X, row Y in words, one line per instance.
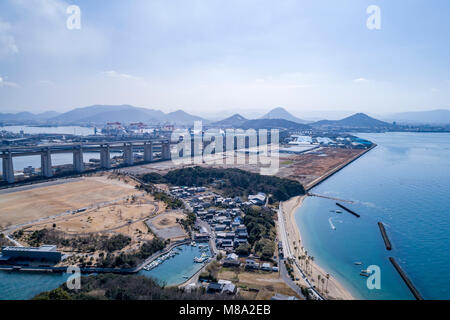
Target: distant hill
column 358, row 120
column 231, row 122
column 101, row 114
column 441, row 116
column 181, row 117
column 281, row 113
column 273, row 124
column 27, row 116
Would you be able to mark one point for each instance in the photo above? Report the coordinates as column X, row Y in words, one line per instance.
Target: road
column 287, row 253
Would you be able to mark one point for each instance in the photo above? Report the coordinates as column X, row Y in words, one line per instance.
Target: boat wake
column 330, row 220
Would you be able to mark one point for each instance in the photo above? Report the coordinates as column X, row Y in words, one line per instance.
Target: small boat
column 193, row 244
column 338, row 211
column 364, row 274
column 366, row 271
column 358, row 263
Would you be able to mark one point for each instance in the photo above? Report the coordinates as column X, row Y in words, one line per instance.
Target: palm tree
column 323, row 283
column 328, row 278
column 318, row 282
column 312, row 260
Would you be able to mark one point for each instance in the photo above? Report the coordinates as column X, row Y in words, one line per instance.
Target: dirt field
column 304, row 168
column 126, row 217
column 267, row 284
column 307, row 167
column 166, row 226
column 43, row 201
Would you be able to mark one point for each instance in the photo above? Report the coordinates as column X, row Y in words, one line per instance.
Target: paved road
column 288, row 254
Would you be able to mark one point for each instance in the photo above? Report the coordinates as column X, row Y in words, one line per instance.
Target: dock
column 387, row 242
column 405, row 278
column 348, row 210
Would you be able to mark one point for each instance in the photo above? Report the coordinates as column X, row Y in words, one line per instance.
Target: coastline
column 336, row 291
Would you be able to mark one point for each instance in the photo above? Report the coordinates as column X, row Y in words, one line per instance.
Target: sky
column 211, row 57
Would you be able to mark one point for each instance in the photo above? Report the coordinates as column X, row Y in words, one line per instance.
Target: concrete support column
column 128, row 154
column 8, row 169
column 78, row 163
column 46, row 163
column 105, row 158
column 148, row 152
column 166, row 150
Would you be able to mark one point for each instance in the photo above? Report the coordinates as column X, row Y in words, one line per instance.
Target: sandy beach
column 336, row 291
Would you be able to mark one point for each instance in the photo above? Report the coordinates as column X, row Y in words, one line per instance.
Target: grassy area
column 258, row 285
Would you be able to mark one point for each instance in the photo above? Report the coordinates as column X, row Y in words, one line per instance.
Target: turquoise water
column 175, row 270
column 23, row 286
column 404, row 183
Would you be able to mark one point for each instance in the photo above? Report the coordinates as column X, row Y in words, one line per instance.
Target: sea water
column 404, row 183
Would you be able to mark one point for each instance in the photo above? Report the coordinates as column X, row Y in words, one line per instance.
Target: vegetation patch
column 124, row 287
column 232, row 182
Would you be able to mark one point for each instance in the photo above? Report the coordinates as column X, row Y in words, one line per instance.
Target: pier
column 405, row 278
column 387, row 242
column 348, row 210
column 310, row 194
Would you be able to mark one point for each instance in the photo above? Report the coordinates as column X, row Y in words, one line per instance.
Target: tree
column 328, row 278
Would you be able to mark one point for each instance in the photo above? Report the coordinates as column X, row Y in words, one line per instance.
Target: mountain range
column 101, row 114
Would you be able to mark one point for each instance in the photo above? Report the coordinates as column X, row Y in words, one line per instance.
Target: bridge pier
column 128, row 154
column 78, row 163
column 46, row 163
column 166, row 150
column 8, row 169
column 105, row 158
column 148, row 152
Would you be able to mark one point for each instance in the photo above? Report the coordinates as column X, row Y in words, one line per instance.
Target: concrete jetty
column 405, row 278
column 387, row 242
column 348, row 210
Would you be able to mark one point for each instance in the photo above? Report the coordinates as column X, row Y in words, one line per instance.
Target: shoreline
column 336, row 290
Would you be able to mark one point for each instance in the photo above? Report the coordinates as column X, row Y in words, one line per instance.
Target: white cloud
column 5, row 83
column 7, row 41
column 434, row 90
column 361, row 80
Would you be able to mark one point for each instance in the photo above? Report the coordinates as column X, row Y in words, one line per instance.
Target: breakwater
column 348, row 210
column 387, row 242
column 405, row 278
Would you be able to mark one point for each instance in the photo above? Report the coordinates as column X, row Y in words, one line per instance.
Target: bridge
column 127, row 147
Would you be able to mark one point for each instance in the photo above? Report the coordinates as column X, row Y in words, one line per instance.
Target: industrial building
column 46, row 253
